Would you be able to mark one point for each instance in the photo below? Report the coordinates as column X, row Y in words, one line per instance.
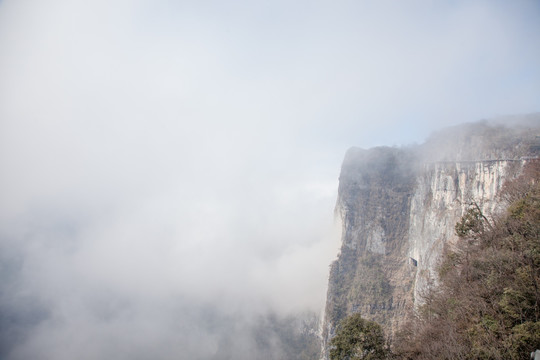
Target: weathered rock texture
column 399, row 207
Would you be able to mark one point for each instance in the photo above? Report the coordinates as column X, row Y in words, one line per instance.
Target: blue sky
column 186, row 135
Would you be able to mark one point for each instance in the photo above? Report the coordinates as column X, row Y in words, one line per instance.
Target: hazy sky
column 158, row 156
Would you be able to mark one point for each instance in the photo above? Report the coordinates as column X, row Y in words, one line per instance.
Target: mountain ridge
column 399, row 205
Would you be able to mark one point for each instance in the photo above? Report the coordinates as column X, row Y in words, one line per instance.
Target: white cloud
column 160, row 153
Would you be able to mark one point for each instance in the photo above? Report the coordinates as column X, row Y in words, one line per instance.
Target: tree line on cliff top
column 486, row 304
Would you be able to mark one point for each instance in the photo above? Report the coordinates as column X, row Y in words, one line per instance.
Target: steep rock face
column 399, row 206
column 444, row 191
column 376, row 189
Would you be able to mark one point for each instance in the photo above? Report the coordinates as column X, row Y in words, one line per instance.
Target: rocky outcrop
column 399, row 206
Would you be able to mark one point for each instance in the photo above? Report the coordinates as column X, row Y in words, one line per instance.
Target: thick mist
column 169, row 169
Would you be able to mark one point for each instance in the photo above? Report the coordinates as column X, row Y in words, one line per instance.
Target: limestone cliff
column 398, row 208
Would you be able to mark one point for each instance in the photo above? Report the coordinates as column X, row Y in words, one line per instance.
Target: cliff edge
column 398, row 208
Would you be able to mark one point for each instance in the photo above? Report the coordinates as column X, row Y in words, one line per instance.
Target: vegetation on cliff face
column 358, row 338
column 487, row 305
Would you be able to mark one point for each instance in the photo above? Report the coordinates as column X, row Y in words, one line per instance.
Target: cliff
column 399, row 206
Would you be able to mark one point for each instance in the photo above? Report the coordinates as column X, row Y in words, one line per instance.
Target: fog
column 169, row 169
